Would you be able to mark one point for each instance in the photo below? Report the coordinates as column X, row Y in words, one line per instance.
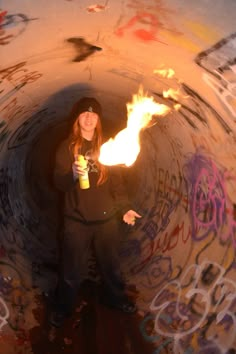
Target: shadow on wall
column 33, row 200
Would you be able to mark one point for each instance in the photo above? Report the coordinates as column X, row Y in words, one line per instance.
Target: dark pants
column 77, row 242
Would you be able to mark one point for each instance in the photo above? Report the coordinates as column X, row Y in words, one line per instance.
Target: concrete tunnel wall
column 181, row 255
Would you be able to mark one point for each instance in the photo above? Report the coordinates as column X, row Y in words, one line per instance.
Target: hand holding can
column 80, row 170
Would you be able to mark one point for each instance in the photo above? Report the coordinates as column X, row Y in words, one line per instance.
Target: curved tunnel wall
column 181, row 255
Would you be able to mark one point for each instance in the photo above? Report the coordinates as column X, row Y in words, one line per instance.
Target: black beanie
column 89, row 104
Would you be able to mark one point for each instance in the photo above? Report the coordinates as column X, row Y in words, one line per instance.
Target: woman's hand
column 130, row 217
column 78, row 169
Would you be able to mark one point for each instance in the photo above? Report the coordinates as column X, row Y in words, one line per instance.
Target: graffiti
column 171, row 240
column 12, row 112
column 210, row 208
column 75, row 49
column 5, row 285
column 9, row 232
column 144, row 250
column 224, row 90
column 143, row 34
column 197, row 110
column 83, row 49
column 96, row 8
column 12, row 26
column 157, row 272
column 19, row 76
column 201, row 142
column 12, row 237
column 219, row 56
column 147, row 330
column 5, row 180
column 4, row 313
column 171, row 192
column 27, row 77
column 186, row 321
column 212, row 111
column 30, row 128
column 11, row 70
column 151, row 19
column 219, row 62
column 173, row 188
column 4, row 39
column 11, row 93
column 14, row 305
column 127, row 72
column 4, row 134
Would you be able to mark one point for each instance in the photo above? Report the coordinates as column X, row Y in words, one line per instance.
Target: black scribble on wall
column 12, row 26
column 197, row 110
column 83, row 49
column 16, row 18
column 5, row 205
column 28, row 130
column 219, row 57
column 219, row 63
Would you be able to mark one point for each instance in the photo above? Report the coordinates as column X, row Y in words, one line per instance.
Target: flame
column 124, row 148
column 169, row 73
column 177, row 106
column 171, row 93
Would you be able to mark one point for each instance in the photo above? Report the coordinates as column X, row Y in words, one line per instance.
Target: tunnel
column 179, row 257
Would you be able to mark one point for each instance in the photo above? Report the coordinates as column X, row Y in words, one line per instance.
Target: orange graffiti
column 143, row 34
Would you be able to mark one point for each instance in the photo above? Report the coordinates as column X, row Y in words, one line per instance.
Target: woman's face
column 88, row 122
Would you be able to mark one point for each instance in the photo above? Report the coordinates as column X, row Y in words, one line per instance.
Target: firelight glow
column 168, row 73
column 125, row 147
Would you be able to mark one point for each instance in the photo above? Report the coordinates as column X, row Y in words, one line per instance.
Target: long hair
column 76, row 141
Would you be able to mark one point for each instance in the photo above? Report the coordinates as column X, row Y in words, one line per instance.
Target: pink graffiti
column 212, row 211
column 143, row 34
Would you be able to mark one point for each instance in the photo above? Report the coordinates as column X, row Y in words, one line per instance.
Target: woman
column 90, row 215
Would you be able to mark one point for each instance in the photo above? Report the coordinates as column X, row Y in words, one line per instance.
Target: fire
column 171, row 93
column 168, row 73
column 124, row 148
column 177, row 106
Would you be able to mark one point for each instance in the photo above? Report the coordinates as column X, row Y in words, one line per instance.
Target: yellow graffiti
column 195, row 38
column 180, row 41
column 203, row 32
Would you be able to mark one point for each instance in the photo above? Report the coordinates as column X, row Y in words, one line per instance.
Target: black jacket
column 96, row 204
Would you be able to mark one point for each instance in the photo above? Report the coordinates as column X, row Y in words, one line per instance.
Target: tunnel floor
column 93, row 328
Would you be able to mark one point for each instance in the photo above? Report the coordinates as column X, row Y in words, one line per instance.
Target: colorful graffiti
column 211, row 207
column 5, row 311
column 143, row 34
column 12, row 26
column 219, row 63
column 189, row 329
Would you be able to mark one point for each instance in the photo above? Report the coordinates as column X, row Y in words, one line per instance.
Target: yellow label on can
column 83, row 179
